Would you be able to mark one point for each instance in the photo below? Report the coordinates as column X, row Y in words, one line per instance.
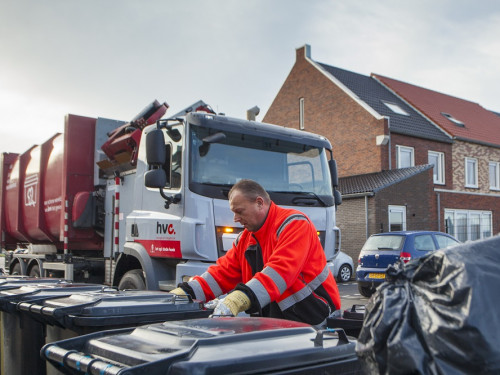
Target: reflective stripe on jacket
column 283, row 262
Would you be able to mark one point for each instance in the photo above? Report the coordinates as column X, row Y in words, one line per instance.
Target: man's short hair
column 251, row 190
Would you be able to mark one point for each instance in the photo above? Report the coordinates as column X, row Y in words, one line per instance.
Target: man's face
column 250, row 214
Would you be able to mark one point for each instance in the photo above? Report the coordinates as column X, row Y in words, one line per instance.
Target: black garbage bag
column 438, row 314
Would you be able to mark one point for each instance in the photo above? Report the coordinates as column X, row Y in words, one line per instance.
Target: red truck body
column 37, row 185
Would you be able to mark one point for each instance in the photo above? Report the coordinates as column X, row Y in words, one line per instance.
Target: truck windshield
column 281, row 167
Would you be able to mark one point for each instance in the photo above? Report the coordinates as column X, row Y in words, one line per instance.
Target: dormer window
column 453, row 119
column 396, row 109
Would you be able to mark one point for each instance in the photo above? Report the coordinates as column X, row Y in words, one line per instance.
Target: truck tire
column 16, row 270
column 132, row 279
column 35, row 271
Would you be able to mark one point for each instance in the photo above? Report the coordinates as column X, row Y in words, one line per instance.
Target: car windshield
column 384, row 243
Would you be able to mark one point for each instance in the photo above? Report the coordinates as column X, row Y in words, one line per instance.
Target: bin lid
column 210, row 345
column 111, row 307
column 39, row 291
column 15, row 281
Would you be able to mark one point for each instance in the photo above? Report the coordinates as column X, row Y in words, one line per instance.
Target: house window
column 453, row 119
column 301, row 113
column 437, row 160
column 396, row 109
column 405, row 157
column 397, row 218
column 494, row 175
column 471, row 173
column 468, row 225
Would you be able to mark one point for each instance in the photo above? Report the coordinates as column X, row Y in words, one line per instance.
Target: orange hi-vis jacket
column 281, row 267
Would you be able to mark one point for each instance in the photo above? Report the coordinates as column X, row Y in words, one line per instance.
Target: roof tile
column 374, row 182
column 374, row 94
column 481, row 125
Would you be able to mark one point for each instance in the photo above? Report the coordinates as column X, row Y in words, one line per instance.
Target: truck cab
column 178, row 220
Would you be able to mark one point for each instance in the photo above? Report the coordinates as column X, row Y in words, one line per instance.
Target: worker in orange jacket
column 276, row 267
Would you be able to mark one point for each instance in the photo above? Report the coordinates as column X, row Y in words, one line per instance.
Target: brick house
column 374, row 130
column 475, row 159
column 369, row 200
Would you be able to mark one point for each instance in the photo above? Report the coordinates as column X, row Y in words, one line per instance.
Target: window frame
column 399, row 150
column 440, row 180
column 453, row 119
column 399, row 209
column 474, row 185
column 396, row 108
column 495, row 165
column 301, row 114
column 466, row 232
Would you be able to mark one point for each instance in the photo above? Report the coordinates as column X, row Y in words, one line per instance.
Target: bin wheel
column 35, row 271
column 132, row 279
column 16, row 270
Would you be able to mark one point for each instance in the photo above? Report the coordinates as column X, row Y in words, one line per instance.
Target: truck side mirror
column 174, row 134
column 155, row 148
column 332, row 164
column 338, row 197
column 155, row 178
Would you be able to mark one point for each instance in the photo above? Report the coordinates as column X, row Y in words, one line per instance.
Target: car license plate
column 376, row 275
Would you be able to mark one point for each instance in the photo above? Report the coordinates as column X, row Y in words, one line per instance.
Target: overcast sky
column 110, row 58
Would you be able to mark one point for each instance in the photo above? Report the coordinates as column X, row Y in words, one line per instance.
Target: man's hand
column 234, row 303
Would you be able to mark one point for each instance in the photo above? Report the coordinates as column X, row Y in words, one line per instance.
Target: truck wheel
column 132, row 279
column 35, row 271
column 16, row 270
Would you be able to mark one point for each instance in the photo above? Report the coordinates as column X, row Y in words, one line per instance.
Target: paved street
column 349, row 295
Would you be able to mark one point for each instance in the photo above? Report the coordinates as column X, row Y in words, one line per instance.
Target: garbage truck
column 144, row 204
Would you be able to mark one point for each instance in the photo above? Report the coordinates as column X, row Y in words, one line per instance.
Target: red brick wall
column 331, row 112
column 351, row 219
column 416, row 193
column 421, row 147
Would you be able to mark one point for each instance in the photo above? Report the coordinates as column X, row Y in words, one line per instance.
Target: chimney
column 303, row 52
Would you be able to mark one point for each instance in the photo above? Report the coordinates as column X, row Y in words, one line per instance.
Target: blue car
column 383, row 249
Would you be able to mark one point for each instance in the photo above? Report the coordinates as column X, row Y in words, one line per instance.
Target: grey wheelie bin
column 83, row 313
column 16, row 281
column 245, row 345
column 21, row 336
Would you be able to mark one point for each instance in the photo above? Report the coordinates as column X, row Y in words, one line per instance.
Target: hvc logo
column 165, row 228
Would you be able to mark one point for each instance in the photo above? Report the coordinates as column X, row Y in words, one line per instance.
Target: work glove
column 234, row 303
column 211, row 305
column 178, row 292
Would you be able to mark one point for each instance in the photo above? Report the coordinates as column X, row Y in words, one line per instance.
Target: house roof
column 479, row 124
column 374, row 182
column 375, row 95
